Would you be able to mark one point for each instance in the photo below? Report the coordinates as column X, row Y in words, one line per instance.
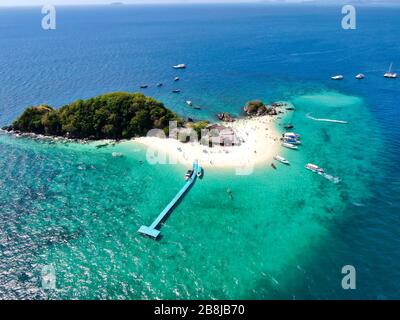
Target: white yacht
column 390, row 74
column 338, row 77
column 176, row 79
column 180, row 66
column 189, row 103
column 281, row 159
column 289, row 146
column 360, row 76
column 314, row 168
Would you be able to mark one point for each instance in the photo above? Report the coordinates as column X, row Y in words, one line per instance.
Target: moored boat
column 281, row 159
column 289, row 146
column 144, row 86
column 291, row 141
column 314, row 168
column 188, row 174
column 176, row 79
column 159, row 84
column 360, row 76
column 189, row 103
column 291, row 135
column 176, row 91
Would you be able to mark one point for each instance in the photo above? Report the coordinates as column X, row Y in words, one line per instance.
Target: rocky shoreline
column 256, row 108
column 50, row 138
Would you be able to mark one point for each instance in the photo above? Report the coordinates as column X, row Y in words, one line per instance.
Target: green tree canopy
column 111, row 116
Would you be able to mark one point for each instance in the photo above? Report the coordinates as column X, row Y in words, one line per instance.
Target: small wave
column 313, row 52
column 358, row 204
column 308, row 115
column 274, row 280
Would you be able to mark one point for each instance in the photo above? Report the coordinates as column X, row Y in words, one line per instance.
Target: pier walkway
column 151, row 230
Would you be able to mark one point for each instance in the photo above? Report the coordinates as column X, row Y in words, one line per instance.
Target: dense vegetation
column 110, row 116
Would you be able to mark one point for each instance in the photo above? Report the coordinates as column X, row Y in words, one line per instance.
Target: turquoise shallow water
column 82, row 208
column 284, row 234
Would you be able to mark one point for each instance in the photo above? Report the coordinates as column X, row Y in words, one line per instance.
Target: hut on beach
column 221, row 135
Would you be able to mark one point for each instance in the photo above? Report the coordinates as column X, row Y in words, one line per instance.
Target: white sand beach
column 259, row 142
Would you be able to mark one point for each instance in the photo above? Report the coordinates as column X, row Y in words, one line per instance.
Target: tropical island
column 131, row 116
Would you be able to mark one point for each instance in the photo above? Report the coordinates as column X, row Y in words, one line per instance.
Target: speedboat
column 189, row 103
column 197, row 107
column 390, row 74
column 281, row 159
column 360, row 76
column 180, row 66
column 314, row 168
column 338, row 77
column 188, row 174
column 176, row 91
column 176, row 79
column 289, row 146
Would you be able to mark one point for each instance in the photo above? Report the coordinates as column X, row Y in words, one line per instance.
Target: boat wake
column 331, row 178
column 308, row 115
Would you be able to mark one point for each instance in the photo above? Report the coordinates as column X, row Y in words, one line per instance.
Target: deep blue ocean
column 234, row 53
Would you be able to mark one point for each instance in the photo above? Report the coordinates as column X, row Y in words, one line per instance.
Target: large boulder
column 225, row 116
column 252, row 107
column 258, row 108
